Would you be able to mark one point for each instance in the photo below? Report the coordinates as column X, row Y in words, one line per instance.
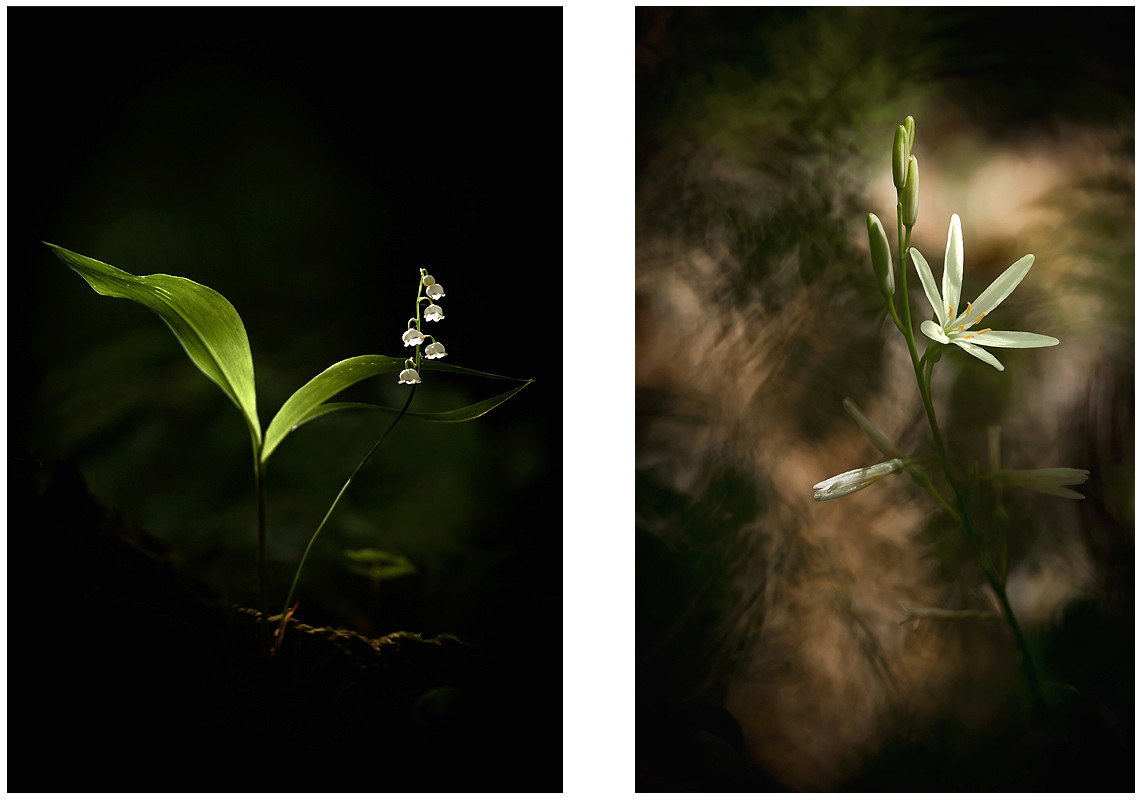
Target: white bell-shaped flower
column 433, row 313
column 409, row 376
column 412, row 337
column 435, row 291
column 435, row 350
column 427, row 280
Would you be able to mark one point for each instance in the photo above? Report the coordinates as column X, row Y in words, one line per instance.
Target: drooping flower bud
column 901, row 155
column 855, row 480
column 910, row 194
column 880, row 255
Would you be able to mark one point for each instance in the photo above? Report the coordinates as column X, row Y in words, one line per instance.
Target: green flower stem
column 337, row 499
column 260, row 492
column 923, row 379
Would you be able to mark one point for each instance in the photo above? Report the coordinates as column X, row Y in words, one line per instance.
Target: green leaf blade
column 205, row 323
column 309, row 402
column 306, row 403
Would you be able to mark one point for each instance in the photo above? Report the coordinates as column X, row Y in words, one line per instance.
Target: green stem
column 1028, row 665
column 260, row 495
column 337, row 499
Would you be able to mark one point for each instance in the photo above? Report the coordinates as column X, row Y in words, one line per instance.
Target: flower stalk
column 964, row 329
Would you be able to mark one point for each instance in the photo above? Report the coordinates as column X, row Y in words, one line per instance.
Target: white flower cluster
column 413, row 337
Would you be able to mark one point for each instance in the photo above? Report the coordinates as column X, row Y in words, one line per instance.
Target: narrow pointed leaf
column 203, row 321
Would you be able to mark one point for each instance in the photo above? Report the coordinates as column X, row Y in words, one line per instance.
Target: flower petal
column 1002, row 287
column 1048, row 481
column 928, row 283
column 954, row 269
column 1012, row 339
column 979, row 352
column 934, row 331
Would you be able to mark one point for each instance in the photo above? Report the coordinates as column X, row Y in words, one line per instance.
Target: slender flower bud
column 880, row 440
column 855, row 480
column 909, row 126
column 901, row 156
column 910, row 195
column 880, row 255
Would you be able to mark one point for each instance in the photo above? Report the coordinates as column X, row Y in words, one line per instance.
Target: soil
column 124, row 676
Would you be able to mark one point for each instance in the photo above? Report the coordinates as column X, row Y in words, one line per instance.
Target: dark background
column 304, row 163
column 762, row 141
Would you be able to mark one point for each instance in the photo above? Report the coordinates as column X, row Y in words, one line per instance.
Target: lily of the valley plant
column 214, row 337
column 967, row 330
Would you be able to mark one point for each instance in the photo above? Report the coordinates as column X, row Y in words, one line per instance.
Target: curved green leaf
column 306, row 403
column 203, row 321
column 309, row 402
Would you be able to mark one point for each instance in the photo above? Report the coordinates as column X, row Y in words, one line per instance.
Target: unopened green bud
column 880, row 255
column 909, row 126
column 901, row 154
column 910, row 194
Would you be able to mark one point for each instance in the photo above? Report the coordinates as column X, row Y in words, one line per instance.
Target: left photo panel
column 276, row 474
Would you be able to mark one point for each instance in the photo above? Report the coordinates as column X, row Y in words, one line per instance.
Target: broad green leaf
column 305, row 404
column 203, row 321
column 309, row 402
column 380, row 565
column 463, row 414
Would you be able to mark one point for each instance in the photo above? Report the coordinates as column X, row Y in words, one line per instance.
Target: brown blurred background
column 770, row 647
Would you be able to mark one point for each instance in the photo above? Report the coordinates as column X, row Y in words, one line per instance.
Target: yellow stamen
column 983, row 330
column 980, row 317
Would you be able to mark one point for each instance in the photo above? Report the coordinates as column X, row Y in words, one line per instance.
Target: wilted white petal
column 1047, row 481
column 855, row 480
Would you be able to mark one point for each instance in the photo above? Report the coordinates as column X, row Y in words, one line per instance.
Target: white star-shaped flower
column 954, row 328
column 433, row 313
column 435, row 350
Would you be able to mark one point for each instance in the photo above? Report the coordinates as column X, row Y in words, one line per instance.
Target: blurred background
column 771, row 651
column 305, row 164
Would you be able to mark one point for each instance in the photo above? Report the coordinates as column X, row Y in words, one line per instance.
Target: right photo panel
column 884, row 423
